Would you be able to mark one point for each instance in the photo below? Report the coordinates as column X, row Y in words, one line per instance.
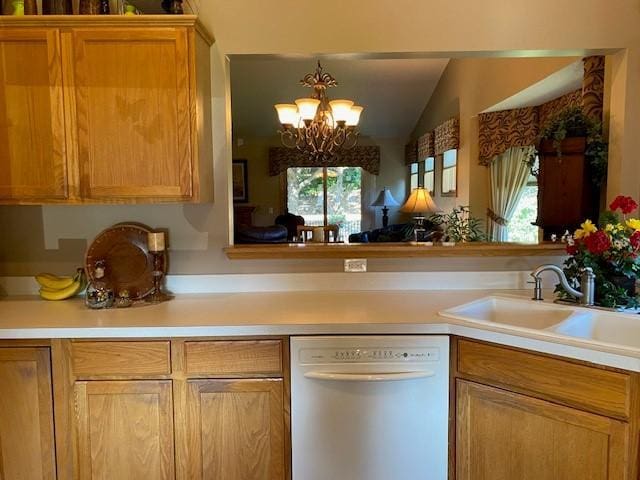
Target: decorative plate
column 124, row 252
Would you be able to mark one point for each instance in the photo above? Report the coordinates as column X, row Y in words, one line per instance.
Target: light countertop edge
column 308, row 313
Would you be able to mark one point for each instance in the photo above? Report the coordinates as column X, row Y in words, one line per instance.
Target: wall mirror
column 412, row 132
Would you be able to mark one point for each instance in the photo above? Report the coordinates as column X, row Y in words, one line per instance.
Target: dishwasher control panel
column 369, row 355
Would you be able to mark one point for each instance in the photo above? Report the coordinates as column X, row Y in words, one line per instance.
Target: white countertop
column 294, row 313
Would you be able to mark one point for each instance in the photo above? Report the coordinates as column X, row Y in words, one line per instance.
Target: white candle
column 155, row 240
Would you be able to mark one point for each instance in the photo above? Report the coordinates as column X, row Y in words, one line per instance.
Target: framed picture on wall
column 240, row 181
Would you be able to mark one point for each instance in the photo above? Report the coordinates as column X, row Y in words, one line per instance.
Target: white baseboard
column 282, row 282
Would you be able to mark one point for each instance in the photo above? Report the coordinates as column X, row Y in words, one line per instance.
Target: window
column 520, row 228
column 449, row 173
column 326, row 196
column 413, row 176
column 430, row 174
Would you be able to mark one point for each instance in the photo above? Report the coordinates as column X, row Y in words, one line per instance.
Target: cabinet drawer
column 589, row 388
column 92, row 359
column 242, row 357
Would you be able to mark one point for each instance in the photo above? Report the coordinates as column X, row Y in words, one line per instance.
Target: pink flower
column 572, row 249
column 625, row 204
column 634, row 240
column 598, row 242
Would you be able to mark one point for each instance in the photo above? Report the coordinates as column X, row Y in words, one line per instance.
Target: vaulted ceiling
column 393, row 91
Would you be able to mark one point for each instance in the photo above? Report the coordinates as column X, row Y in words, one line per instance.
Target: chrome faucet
column 587, row 284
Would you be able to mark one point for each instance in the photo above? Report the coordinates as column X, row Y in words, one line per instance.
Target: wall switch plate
column 355, row 265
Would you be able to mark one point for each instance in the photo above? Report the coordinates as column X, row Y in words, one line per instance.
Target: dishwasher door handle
column 369, row 377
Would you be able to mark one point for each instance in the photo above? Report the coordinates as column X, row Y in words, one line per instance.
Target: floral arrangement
column 612, row 251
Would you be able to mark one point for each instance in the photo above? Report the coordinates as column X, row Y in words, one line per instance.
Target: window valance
column 447, row 136
column 499, row 131
column 411, row 153
column 426, row 146
column 365, row 157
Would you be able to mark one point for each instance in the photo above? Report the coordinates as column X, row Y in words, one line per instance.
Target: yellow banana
column 54, row 282
column 62, row 294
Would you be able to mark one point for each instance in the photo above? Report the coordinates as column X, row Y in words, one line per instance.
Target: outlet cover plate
column 355, row 265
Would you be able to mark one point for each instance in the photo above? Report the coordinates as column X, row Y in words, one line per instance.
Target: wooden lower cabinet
column 507, row 436
column 27, row 449
column 235, row 429
column 125, row 430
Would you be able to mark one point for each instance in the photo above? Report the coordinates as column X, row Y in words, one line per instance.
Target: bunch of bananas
column 53, row 287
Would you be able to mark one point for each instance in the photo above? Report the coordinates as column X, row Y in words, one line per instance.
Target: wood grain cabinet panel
column 26, row 415
column 133, row 112
column 594, row 389
column 32, row 137
column 235, row 429
column 96, row 359
column 125, row 430
column 237, row 357
column 506, row 436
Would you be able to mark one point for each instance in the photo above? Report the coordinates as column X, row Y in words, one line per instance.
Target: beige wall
column 467, row 87
column 445, row 28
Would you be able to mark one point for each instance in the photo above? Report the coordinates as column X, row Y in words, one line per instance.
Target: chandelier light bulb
column 287, row 113
column 341, row 110
column 354, row 116
column 307, row 108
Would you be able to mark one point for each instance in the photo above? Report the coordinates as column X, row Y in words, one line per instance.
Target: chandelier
column 317, row 126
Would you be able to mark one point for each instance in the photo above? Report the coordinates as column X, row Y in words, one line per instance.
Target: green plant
column 459, row 226
column 572, row 122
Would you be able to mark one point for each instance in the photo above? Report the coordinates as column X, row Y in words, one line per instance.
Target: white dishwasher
column 369, row 407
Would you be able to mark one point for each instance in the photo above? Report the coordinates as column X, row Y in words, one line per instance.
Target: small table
column 305, row 232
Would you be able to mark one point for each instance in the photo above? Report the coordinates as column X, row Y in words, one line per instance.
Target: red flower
column 598, row 242
column 572, row 249
column 635, row 240
column 625, row 204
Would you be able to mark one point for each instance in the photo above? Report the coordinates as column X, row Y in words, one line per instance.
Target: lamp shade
column 341, row 109
column 419, row 202
column 307, row 107
column 287, row 113
column 385, row 199
column 354, row 116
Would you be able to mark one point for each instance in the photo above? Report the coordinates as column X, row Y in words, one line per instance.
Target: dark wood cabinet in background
column 567, row 194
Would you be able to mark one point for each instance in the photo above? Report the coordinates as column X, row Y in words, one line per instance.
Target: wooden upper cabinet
column 32, row 138
column 105, row 110
column 133, row 113
column 125, row 430
column 505, row 436
column 26, row 415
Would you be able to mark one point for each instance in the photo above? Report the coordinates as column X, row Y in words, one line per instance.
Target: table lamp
column 419, row 203
column 385, row 200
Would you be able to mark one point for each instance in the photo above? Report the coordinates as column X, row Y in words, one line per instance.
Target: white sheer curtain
column 509, row 173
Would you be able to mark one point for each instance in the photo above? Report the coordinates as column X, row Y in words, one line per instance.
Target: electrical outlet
column 355, row 265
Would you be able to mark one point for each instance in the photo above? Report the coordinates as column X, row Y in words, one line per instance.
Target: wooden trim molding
column 390, row 250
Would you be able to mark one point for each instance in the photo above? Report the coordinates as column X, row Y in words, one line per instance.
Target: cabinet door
column 125, row 430
column 235, row 429
column 26, row 415
column 133, row 112
column 506, row 436
column 32, row 149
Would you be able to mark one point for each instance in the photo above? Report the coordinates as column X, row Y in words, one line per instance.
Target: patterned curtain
column 593, row 87
column 365, row 157
column 499, row 131
column 447, row 136
column 426, row 146
column 553, row 107
column 411, row 153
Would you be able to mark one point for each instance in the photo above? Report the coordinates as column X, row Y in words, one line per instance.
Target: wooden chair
column 305, row 232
